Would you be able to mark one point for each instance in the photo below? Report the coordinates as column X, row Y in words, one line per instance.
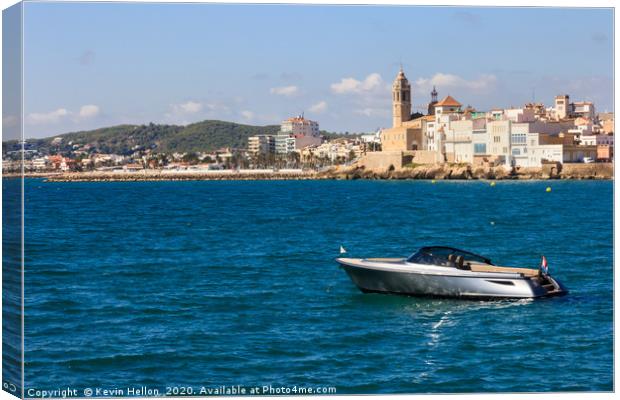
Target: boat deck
column 478, row 267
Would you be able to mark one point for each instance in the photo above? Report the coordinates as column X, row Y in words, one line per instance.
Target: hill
column 125, row 139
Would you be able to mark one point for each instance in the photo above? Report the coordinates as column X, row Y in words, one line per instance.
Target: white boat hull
column 399, row 277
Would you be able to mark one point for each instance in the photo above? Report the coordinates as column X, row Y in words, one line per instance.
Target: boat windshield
column 438, row 255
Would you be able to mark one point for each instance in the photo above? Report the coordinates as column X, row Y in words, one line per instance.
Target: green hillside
column 124, row 139
column 211, row 135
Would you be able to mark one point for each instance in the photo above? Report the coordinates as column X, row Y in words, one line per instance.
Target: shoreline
column 456, row 172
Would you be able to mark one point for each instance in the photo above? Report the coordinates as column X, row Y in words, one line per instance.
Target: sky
column 89, row 65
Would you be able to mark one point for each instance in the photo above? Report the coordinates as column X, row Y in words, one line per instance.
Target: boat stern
column 547, row 286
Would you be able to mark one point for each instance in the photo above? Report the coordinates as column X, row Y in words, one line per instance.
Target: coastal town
column 297, row 145
column 529, row 136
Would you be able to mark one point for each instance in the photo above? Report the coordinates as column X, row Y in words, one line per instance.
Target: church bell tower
column 431, row 105
column 401, row 100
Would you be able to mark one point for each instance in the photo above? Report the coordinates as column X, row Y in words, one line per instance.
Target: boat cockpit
column 448, row 257
column 460, row 259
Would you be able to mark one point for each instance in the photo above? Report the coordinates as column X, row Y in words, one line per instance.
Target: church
column 406, row 133
column 417, row 133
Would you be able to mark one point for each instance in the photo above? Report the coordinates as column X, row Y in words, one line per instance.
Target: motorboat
column 449, row 272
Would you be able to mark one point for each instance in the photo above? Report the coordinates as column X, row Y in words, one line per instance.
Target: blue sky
column 89, row 65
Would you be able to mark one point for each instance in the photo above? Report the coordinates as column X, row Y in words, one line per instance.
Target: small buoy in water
column 433, row 181
column 492, row 222
column 492, row 183
column 548, row 189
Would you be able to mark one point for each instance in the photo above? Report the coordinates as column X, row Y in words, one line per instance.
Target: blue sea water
column 233, row 283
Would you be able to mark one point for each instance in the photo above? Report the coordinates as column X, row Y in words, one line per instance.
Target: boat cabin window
column 439, row 256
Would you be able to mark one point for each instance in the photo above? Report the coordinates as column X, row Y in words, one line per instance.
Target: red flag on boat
column 543, row 265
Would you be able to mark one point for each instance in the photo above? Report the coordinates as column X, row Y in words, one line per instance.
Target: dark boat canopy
column 438, row 255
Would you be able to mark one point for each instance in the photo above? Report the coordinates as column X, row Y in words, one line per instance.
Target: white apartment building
column 596, row 140
column 40, row 163
column 446, row 110
column 441, row 127
column 561, row 107
column 480, row 140
column 526, row 150
column 520, row 114
column 583, row 109
column 335, row 150
column 564, row 109
column 458, row 141
column 284, row 144
column 550, row 127
column 295, row 133
column 499, row 140
column 509, row 143
column 261, row 144
column 496, row 114
column 299, row 126
column 429, row 135
column 276, row 144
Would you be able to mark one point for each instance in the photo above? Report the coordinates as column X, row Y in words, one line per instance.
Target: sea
column 178, row 287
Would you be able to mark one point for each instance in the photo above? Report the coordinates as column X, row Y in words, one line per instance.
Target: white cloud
column 216, row 106
column 352, row 85
column 51, row 117
column 189, row 107
column 89, row 111
column 194, row 110
column 373, row 112
column 450, row 81
column 284, row 90
column 247, row 114
column 319, row 107
column 179, row 112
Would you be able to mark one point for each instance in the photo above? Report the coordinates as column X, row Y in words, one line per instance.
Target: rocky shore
column 437, row 172
column 468, row 172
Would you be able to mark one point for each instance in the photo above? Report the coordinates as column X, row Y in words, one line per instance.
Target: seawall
column 167, row 175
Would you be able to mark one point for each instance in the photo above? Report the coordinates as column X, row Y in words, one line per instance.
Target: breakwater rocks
column 465, row 172
column 156, row 175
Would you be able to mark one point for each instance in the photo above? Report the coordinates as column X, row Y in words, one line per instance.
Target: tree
column 294, row 159
column 191, row 158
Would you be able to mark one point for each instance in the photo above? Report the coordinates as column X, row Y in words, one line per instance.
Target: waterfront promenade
column 184, row 175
